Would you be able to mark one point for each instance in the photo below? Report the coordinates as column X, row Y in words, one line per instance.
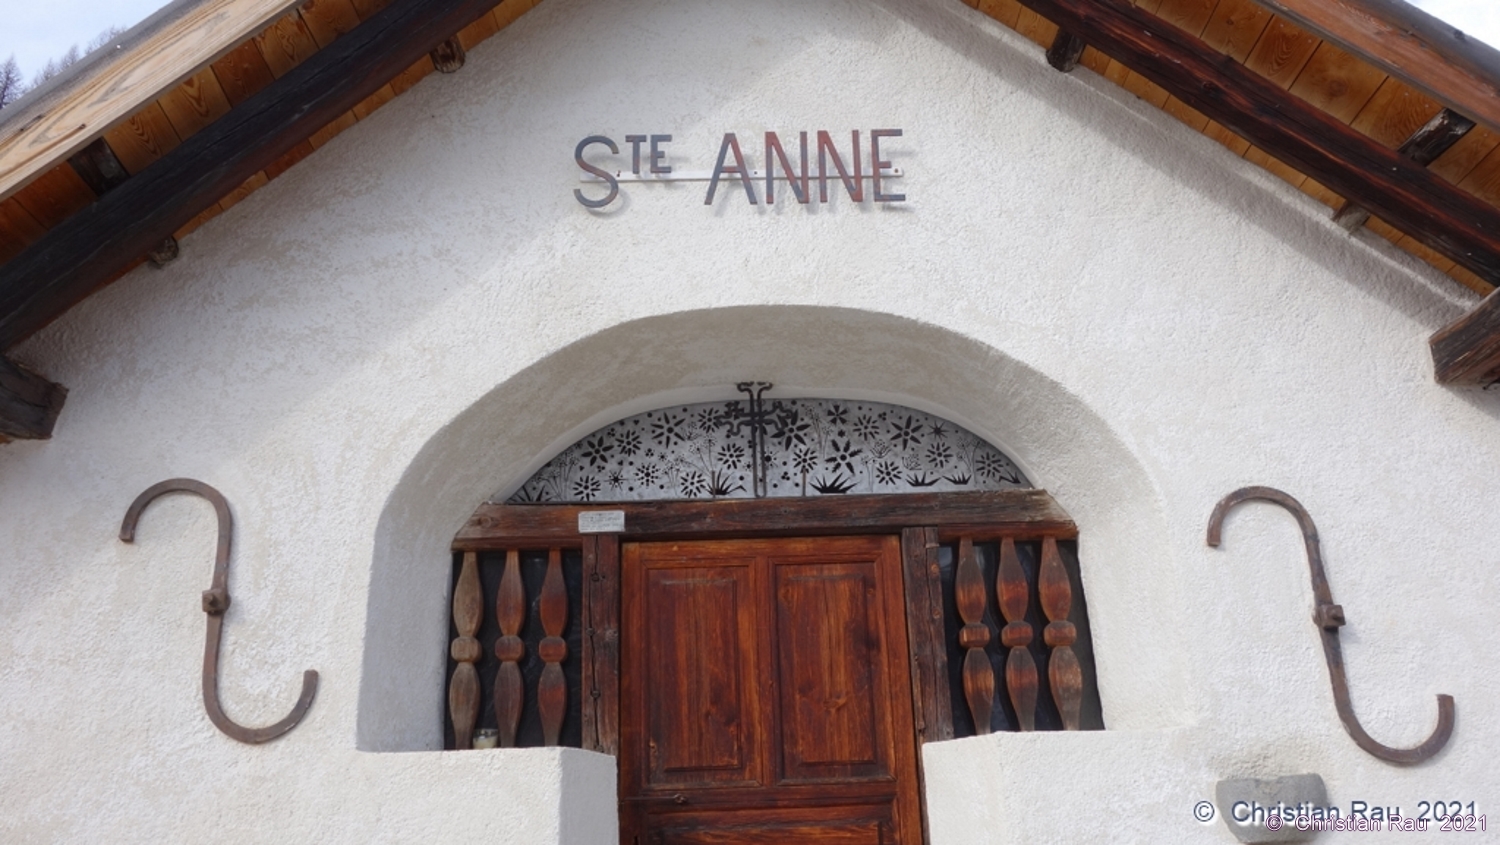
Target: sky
column 38, row 30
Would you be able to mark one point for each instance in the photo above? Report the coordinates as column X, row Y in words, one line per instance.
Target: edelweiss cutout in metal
column 756, row 448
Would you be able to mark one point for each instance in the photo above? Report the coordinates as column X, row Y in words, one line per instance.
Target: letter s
column 614, row 184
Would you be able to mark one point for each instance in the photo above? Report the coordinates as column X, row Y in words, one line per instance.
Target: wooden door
column 766, row 696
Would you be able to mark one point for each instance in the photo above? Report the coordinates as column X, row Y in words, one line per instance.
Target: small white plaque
column 601, row 522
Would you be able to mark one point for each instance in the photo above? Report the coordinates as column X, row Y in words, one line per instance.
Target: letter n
column 798, row 183
column 855, row 186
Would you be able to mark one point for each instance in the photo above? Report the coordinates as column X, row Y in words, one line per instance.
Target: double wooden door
column 766, row 694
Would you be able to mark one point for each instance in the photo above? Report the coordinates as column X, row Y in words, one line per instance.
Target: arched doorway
column 762, row 607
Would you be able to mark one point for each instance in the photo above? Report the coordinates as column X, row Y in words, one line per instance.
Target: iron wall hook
column 1329, row 617
column 215, row 602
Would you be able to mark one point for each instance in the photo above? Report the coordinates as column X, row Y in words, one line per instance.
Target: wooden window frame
column 924, row 522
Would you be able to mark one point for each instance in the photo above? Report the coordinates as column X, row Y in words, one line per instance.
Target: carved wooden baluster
column 979, row 678
column 1020, row 668
column 463, row 689
column 1063, row 669
column 552, row 690
column 510, row 612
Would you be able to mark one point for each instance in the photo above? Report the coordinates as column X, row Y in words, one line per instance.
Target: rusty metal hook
column 215, row 602
column 1329, row 617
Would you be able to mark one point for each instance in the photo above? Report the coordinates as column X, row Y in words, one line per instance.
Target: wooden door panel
column 700, row 675
column 766, row 696
column 812, row 827
column 828, row 667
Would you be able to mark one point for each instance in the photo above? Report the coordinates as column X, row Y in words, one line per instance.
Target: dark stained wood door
column 766, row 696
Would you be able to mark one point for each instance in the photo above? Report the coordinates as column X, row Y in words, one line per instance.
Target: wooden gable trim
column 1392, row 186
column 52, row 128
column 85, row 251
column 1409, row 44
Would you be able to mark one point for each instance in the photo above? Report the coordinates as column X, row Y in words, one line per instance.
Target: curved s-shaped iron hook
column 1329, row 617
column 215, row 602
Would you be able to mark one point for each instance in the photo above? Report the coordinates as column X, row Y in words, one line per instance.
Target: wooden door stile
column 932, row 705
column 601, row 643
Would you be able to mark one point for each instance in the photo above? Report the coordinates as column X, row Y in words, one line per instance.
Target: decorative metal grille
column 805, row 447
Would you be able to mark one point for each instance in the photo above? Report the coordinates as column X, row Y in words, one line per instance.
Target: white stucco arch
column 687, row 356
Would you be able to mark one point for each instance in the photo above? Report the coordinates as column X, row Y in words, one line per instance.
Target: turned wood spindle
column 552, row 689
column 979, row 677
column 1020, row 669
column 463, row 689
column 510, row 612
column 1060, row 634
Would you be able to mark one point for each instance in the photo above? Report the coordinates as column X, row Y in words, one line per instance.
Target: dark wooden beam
column 1065, row 51
column 1400, row 191
column 1467, row 352
column 136, row 217
column 1445, row 129
column 1432, row 56
column 29, row 404
column 1017, row 513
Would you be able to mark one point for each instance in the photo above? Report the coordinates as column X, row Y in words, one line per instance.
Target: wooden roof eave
column 1411, row 45
column 1398, row 189
column 85, row 250
column 109, row 85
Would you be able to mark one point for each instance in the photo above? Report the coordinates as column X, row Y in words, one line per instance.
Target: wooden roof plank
column 143, row 138
column 328, row 19
column 286, row 43
column 1299, row 135
column 1394, row 112
column 1460, row 72
column 49, row 130
column 86, row 249
column 242, row 71
column 1461, row 159
column 1036, row 27
column 1282, row 51
column 55, row 195
column 18, row 229
column 1004, row 11
column 1190, row 16
column 1235, row 27
column 1337, row 82
column 195, row 103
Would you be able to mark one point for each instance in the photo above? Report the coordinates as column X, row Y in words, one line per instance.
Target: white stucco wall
column 364, row 350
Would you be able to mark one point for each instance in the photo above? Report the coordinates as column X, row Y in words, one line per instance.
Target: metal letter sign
column 846, row 166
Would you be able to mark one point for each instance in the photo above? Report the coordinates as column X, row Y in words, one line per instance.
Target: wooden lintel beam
column 1434, row 138
column 86, row 250
column 1028, row 513
column 29, row 404
column 1065, row 51
column 1460, row 72
column 1467, row 352
column 1402, row 192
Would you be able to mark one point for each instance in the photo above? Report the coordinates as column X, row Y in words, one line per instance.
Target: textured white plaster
column 361, row 352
